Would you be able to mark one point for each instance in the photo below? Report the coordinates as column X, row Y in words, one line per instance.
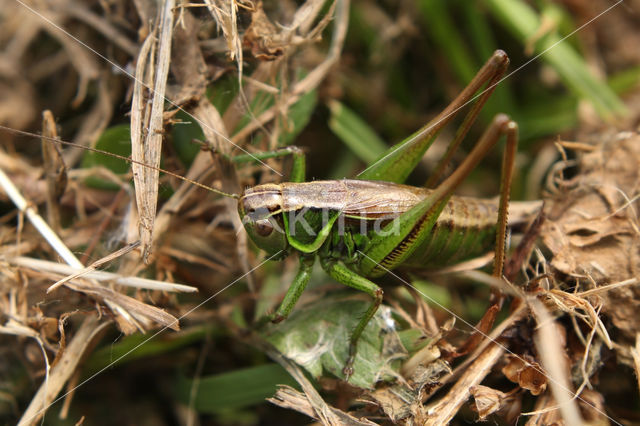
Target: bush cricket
column 361, row 228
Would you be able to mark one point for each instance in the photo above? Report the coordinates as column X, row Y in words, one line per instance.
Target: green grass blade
column 184, row 134
column 117, row 140
column 484, row 45
column 298, row 117
column 298, row 114
column 235, row 389
column 140, row 346
column 435, row 14
column 355, row 133
column 544, row 119
column 626, row 80
column 523, row 22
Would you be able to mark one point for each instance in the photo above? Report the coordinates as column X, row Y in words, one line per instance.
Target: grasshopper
column 360, row 229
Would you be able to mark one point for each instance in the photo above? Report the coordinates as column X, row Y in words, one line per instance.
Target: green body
column 465, row 228
column 360, row 229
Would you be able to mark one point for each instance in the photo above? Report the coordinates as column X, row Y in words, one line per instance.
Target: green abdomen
column 466, row 228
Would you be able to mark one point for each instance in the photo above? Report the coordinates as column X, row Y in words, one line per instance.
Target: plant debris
column 124, row 277
column 593, row 234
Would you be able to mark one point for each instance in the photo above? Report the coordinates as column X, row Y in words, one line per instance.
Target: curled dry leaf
column 404, row 400
column 488, row 400
column 527, row 373
column 593, row 230
column 48, row 326
column 262, row 37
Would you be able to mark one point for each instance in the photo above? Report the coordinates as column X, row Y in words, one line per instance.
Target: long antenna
column 120, row 157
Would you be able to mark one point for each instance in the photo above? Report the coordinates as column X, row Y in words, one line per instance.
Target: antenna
column 120, row 157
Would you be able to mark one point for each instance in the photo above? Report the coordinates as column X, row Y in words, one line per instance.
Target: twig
column 135, row 282
column 314, row 78
column 635, row 353
column 95, row 265
column 444, row 410
column 553, row 360
column 102, row 25
column 310, row 402
column 38, row 222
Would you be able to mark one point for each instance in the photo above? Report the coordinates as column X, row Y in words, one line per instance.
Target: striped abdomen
column 465, row 228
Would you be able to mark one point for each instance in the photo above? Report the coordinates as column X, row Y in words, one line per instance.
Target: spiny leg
column 400, row 160
column 506, row 177
column 389, row 249
column 347, row 277
column 462, row 131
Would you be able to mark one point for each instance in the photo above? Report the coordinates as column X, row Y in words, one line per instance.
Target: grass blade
column 523, row 22
column 355, row 133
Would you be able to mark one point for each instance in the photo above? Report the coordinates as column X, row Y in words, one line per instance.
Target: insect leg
column 400, row 160
column 347, row 277
column 298, row 168
column 506, row 178
column 388, row 249
column 295, row 289
column 508, row 160
column 462, row 131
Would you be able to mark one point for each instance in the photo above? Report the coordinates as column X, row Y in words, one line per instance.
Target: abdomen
column 466, row 228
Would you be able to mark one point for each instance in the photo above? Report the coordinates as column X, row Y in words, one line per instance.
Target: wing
column 361, row 198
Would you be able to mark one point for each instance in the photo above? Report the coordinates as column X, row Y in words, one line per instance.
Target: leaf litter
column 584, row 267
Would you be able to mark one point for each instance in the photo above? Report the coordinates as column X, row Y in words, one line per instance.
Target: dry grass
column 199, row 84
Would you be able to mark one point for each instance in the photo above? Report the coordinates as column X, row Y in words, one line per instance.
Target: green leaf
column 261, row 102
column 484, row 45
column 298, row 117
column 221, row 94
column 540, row 118
column 298, row 114
column 117, row 140
column 435, row 295
column 355, row 133
column 223, row 91
column 138, row 346
column 316, row 336
column 235, row 389
column 184, row 133
column 625, row 80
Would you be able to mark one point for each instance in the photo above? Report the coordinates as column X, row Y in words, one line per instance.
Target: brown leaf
column 593, row 231
column 488, row 400
column 262, row 37
column 526, row 373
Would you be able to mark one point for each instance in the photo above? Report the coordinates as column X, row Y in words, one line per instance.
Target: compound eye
column 264, row 228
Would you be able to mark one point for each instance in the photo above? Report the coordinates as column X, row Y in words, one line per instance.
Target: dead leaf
column 593, row 229
column 528, row 374
column 262, row 37
column 488, row 400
